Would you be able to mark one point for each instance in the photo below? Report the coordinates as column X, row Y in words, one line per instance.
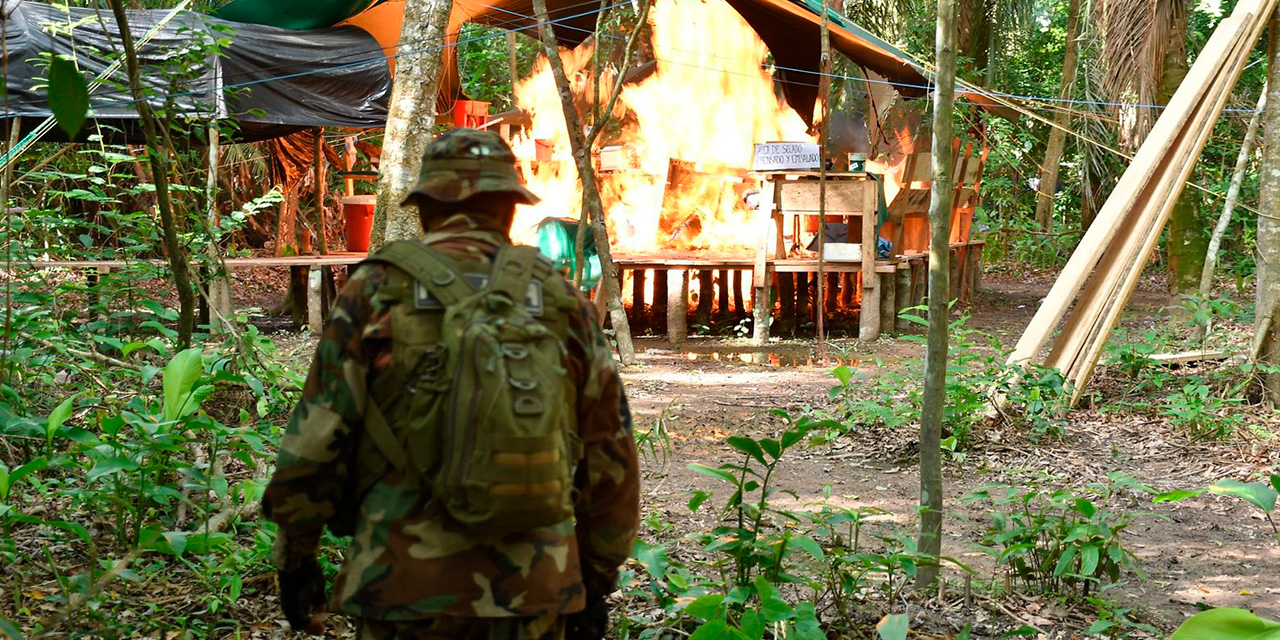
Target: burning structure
column 681, row 202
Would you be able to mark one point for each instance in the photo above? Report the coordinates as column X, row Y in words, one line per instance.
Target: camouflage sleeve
column 609, row 480
column 312, row 468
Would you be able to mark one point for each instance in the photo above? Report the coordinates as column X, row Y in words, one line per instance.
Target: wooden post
column 677, row 305
column 761, row 304
column 786, row 302
column 314, row 316
column 824, row 95
column 220, row 282
column 637, row 294
column 723, row 300
column 902, row 297
column 661, row 283
column 888, row 302
column 512, row 63
column 706, row 291
column 739, row 306
column 846, row 290
column 869, row 314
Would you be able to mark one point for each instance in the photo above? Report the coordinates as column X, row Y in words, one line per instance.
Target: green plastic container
column 556, row 238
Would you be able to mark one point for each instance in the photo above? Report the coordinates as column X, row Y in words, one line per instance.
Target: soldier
column 452, row 539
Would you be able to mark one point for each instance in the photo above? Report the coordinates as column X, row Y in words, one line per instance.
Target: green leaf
column 1256, row 493
column 57, row 417
column 1177, row 495
column 1227, row 624
column 1275, row 482
column 717, row 630
column 1085, row 507
column 1064, row 561
column 180, row 377
column 747, row 446
column 810, row 546
column 714, row 473
column 110, row 466
column 752, row 624
column 697, row 499
column 68, row 95
column 893, row 627
column 704, row 607
column 1089, row 557
column 11, row 630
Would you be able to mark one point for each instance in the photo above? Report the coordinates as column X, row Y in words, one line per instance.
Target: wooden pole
column 824, row 94
column 677, row 305
column 220, row 282
column 1058, row 135
column 512, row 63
column 935, row 381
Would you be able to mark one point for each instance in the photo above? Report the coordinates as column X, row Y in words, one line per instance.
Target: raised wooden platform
column 316, row 260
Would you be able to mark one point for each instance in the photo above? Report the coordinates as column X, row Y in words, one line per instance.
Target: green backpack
column 478, row 406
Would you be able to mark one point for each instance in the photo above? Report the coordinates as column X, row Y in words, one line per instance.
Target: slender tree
column 935, row 364
column 1220, row 229
column 1058, row 136
column 411, row 116
column 580, row 145
column 158, row 156
column 1267, row 312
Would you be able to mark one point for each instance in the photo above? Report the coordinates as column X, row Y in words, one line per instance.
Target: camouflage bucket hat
column 463, row 162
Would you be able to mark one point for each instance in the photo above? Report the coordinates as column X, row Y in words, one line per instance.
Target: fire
column 686, row 139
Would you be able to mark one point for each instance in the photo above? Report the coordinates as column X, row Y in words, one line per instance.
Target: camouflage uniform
column 410, row 571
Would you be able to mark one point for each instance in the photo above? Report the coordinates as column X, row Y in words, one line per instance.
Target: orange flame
column 708, row 101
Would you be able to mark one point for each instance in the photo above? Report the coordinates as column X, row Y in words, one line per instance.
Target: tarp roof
column 273, row 81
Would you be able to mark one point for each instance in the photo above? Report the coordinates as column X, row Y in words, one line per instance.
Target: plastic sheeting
column 272, row 81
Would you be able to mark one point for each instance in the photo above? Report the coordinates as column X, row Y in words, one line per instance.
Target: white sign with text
column 779, row 156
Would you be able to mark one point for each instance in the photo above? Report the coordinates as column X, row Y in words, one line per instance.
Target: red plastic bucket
column 358, row 214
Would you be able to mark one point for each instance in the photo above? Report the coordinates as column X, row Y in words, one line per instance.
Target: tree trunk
column 581, row 148
column 1187, row 241
column 935, row 364
column 1233, row 193
column 1266, row 327
column 159, row 160
column 411, row 117
column 1057, row 136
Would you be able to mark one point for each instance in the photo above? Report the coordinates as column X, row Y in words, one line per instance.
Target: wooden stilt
column 846, row 290
column 706, row 291
column 902, row 298
column 739, row 306
column 803, row 298
column 786, row 302
column 637, row 293
column 677, row 305
column 888, row 302
column 722, row 302
column 314, row 306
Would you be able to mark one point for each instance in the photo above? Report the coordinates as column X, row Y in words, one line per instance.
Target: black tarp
column 271, row 81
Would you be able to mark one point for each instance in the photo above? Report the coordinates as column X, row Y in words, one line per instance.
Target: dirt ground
column 1206, row 551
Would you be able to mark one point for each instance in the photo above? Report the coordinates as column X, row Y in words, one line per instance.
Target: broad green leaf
column 697, row 499
column 652, row 557
column 810, row 546
column 68, row 95
column 1085, row 507
column 714, row 473
column 893, row 627
column 1177, row 495
column 1089, row 557
column 30, row 467
column 110, row 466
column 1227, row 624
column 704, row 607
column 747, row 446
column 752, row 624
column 1256, row 493
column 1275, row 482
column 180, row 378
column 717, row 630
column 11, row 630
column 1064, row 561
column 57, row 417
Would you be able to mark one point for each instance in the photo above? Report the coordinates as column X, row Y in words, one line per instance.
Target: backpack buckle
column 528, row 406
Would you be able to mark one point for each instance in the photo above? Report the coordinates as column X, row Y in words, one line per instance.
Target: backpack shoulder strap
column 425, row 266
column 514, row 268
